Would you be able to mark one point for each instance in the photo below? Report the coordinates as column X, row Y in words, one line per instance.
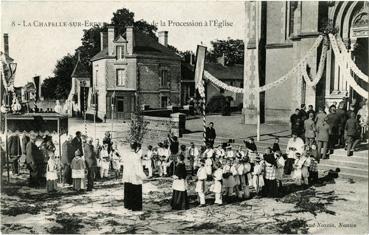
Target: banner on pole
column 199, row 69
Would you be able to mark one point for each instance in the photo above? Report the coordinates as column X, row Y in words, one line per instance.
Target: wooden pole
column 6, row 145
column 257, row 93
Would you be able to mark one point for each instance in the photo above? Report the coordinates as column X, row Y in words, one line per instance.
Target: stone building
column 133, row 66
column 287, row 30
column 231, row 75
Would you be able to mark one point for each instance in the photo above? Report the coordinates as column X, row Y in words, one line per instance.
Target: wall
column 99, row 81
column 158, row 128
column 278, row 100
column 149, row 69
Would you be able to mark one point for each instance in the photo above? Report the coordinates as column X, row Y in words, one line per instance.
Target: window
column 293, row 5
column 164, row 80
column 120, row 52
column 120, row 104
column 121, row 77
column 164, row 101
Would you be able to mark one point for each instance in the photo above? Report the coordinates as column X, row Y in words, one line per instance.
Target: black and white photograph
column 184, row 117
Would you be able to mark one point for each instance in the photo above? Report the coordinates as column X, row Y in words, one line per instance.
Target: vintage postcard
column 184, row 117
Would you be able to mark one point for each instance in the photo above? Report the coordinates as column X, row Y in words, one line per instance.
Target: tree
column 48, row 87
column 233, row 50
column 59, row 86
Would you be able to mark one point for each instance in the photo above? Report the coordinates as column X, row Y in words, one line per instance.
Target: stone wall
column 158, row 128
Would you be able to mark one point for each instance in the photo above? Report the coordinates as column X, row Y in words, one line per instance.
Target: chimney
column 103, row 40
column 6, row 44
column 221, row 60
column 163, row 38
column 130, row 37
column 191, row 58
column 110, row 40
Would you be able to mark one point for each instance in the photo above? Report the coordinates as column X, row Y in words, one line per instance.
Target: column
column 249, row 111
column 328, row 73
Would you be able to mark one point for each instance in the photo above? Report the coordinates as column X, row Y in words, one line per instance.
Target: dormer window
column 120, row 52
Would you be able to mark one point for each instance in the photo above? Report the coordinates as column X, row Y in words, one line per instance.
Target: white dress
column 201, row 177
column 228, row 182
column 217, row 185
column 258, row 179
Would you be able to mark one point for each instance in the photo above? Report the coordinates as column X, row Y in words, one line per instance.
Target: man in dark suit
column 91, row 164
column 34, row 161
column 210, row 134
column 66, row 159
column 77, row 143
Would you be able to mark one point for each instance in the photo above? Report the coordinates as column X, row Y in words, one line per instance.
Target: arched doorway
column 351, row 19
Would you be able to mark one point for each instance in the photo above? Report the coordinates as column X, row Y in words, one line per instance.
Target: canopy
column 38, row 123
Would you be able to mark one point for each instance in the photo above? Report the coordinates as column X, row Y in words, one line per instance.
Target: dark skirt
column 179, row 200
column 271, row 189
column 288, row 167
column 133, row 196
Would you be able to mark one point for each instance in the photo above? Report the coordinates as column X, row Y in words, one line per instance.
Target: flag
column 36, row 81
column 199, row 69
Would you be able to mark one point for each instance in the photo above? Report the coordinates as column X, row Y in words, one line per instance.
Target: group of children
column 233, row 172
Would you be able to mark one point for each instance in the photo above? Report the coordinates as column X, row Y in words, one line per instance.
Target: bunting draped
column 285, row 77
column 344, row 60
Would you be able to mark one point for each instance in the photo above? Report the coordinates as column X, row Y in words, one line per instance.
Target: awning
column 36, row 123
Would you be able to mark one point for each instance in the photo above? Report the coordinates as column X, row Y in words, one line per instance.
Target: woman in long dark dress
column 179, row 198
column 133, row 176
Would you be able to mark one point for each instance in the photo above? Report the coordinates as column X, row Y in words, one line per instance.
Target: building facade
column 134, row 66
column 286, row 31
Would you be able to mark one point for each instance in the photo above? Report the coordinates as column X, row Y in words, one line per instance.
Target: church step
column 344, row 169
column 342, row 174
column 343, row 153
column 347, row 163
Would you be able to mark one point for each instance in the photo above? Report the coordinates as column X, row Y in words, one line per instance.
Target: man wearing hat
column 34, row 161
column 210, row 134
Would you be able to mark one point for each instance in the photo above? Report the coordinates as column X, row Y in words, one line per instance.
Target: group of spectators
column 341, row 127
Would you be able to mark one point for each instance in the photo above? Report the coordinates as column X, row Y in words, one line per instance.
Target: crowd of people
column 227, row 172
column 340, row 127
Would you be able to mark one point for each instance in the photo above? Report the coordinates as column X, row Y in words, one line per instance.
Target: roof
column 143, row 45
column 233, row 72
column 120, row 39
column 80, row 70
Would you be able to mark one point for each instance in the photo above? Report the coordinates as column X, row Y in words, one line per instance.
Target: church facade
column 285, row 31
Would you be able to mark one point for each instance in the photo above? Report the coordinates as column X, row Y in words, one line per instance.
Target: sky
column 37, row 48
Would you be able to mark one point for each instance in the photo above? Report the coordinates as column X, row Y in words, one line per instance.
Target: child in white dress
column 200, row 184
column 216, row 188
column 258, row 178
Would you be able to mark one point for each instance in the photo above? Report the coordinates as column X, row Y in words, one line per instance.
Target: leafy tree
column 233, row 50
column 47, row 87
column 59, row 86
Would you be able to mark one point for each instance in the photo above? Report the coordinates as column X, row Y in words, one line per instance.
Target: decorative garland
column 276, row 83
column 342, row 60
column 305, row 75
column 346, row 57
column 221, row 84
